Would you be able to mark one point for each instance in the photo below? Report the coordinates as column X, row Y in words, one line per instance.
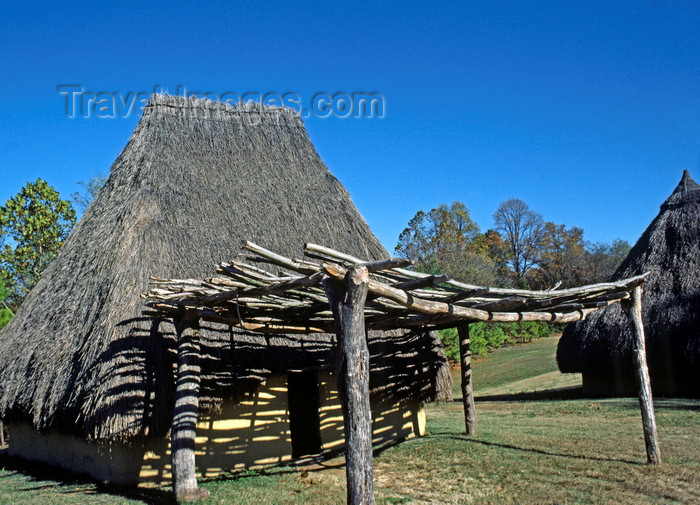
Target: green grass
column 525, row 368
column 576, row 451
column 515, row 363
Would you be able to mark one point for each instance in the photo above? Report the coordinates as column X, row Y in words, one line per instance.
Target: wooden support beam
column 378, row 266
column 184, row 423
column 433, row 280
column 633, row 310
column 465, row 355
column 347, row 300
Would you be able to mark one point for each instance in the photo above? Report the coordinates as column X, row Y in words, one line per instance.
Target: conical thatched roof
column 670, row 250
column 195, row 180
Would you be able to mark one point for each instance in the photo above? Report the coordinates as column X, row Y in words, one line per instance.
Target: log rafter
column 294, row 301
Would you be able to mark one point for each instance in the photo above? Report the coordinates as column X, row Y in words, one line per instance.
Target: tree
column 496, row 250
column 561, row 257
column 33, row 226
column 5, row 313
column 602, row 259
column 447, row 241
column 522, row 231
column 91, row 187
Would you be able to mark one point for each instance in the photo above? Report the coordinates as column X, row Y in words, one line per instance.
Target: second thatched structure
column 601, row 347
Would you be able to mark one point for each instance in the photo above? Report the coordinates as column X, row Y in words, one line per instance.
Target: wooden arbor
column 345, row 295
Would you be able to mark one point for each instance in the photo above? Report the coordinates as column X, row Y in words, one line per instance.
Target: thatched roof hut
column 195, row 180
column 601, row 347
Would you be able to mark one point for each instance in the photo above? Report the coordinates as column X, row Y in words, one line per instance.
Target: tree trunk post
column 347, row 300
column 184, row 423
column 633, row 310
column 465, row 355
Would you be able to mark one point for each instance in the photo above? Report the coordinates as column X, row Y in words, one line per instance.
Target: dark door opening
column 304, row 419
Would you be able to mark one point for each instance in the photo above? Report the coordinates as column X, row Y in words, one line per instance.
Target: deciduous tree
column 602, row 259
column 446, row 240
column 5, row 313
column 521, row 230
column 561, row 257
column 90, row 189
column 33, row 226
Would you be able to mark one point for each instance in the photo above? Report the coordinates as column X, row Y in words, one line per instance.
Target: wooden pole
column 347, row 300
column 465, row 355
column 646, row 403
column 184, row 423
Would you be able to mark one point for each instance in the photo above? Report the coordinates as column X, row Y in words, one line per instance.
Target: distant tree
column 446, row 241
column 33, row 226
column 521, row 230
column 602, row 259
column 561, row 257
column 90, row 189
column 5, row 312
column 497, row 251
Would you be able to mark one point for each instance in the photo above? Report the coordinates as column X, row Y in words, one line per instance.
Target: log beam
column 347, row 300
column 184, row 423
column 465, row 355
column 633, row 310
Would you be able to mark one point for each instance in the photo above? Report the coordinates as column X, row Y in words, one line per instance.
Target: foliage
column 90, row 189
column 33, row 226
column 603, row 259
column 561, row 257
column 522, row 231
column 447, row 241
column 5, row 313
column 485, row 337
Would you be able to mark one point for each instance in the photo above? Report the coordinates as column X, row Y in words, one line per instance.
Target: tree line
column 522, row 250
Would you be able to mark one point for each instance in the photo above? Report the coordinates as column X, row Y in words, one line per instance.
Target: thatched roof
column 195, row 180
column 670, row 250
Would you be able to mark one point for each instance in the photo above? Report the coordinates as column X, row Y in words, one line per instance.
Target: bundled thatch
column 600, row 347
column 195, row 180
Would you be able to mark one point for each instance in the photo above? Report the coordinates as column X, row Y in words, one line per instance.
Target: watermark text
column 81, row 103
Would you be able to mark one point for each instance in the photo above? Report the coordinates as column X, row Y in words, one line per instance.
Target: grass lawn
column 542, row 451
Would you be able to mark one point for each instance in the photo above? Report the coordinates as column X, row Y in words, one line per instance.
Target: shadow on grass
column 43, row 476
column 536, row 451
column 570, row 393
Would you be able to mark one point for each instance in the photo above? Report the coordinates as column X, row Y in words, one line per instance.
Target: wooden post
column 2, row 435
column 184, row 424
column 646, row 404
column 352, row 373
column 465, row 355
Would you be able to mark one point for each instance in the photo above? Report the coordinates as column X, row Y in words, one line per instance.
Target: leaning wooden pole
column 465, row 355
column 633, row 310
column 347, row 300
column 184, row 423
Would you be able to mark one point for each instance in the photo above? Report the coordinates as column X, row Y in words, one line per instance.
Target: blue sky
column 587, row 111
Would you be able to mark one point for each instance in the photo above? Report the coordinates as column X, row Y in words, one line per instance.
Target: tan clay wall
column 252, row 433
column 390, row 422
column 106, row 463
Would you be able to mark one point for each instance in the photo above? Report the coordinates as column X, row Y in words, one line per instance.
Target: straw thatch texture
column 195, row 180
column 601, row 346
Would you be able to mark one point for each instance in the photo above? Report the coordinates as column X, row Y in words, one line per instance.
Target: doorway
column 304, row 419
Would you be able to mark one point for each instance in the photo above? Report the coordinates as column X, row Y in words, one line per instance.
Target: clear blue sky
column 588, row 111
